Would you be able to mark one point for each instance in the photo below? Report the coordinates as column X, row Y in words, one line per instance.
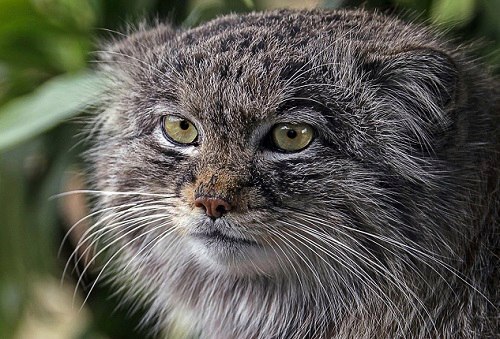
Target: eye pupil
column 184, row 125
column 291, row 133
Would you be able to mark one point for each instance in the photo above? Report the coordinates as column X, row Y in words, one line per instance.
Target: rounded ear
column 117, row 52
column 431, row 70
column 123, row 62
column 423, row 80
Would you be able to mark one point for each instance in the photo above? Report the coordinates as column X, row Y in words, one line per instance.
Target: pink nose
column 213, row 207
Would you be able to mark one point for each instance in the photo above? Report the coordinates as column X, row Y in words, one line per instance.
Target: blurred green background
column 46, row 85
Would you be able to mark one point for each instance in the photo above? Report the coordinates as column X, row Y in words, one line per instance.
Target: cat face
column 275, row 147
column 288, row 174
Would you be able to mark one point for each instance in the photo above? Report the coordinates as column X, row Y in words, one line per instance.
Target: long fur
column 385, row 226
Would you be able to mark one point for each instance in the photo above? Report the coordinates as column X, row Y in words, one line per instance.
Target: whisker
column 87, row 234
column 304, row 258
column 151, row 244
column 121, row 226
column 111, row 193
column 398, row 283
column 357, row 271
column 112, row 257
column 89, row 216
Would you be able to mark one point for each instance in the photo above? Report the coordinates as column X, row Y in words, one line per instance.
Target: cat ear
column 124, row 61
column 131, row 48
column 421, row 83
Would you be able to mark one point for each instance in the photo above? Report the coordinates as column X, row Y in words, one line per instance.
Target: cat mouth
column 229, row 251
column 217, row 237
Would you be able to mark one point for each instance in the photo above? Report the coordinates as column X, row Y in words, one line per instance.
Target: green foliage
column 45, row 81
column 56, row 100
column 203, row 11
column 453, row 11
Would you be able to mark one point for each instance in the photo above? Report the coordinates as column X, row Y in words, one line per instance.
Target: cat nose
column 214, row 207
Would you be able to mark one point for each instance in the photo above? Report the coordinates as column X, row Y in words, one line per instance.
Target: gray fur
column 386, row 226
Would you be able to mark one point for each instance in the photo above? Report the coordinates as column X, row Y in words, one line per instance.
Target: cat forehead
column 247, row 66
column 252, row 64
column 272, row 38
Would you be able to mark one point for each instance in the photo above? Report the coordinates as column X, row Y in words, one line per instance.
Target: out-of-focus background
column 46, row 84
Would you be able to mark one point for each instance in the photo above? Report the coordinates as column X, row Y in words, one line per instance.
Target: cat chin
column 240, row 259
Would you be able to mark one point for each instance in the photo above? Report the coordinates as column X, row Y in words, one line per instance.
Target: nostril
column 199, row 203
column 213, row 207
column 220, row 209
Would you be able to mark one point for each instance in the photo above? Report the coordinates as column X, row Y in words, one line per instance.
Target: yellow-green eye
column 179, row 129
column 292, row 137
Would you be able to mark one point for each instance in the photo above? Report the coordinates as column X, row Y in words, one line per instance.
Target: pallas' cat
column 299, row 174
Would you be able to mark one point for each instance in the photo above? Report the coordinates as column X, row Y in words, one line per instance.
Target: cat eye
column 179, row 130
column 291, row 137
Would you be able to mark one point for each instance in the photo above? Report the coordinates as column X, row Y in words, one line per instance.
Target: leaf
column 58, row 99
column 452, row 12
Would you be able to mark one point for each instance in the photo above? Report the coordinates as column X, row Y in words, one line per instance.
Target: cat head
column 275, row 143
